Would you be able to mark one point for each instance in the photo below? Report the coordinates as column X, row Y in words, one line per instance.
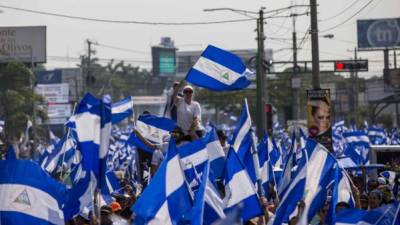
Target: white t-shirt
column 186, row 114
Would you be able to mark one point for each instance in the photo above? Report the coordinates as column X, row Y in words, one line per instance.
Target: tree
column 17, row 99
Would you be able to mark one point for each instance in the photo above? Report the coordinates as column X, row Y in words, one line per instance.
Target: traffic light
column 351, row 65
column 269, row 111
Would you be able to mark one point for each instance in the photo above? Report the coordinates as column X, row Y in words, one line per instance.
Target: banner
column 319, row 121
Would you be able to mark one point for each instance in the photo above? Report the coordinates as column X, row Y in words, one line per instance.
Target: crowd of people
column 369, row 189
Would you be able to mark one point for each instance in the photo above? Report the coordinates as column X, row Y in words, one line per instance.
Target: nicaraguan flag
column 386, row 214
column 219, row 70
column 122, row 109
column 309, row 184
column 29, row 195
column 154, row 128
column 239, row 189
column 166, row 199
column 208, row 206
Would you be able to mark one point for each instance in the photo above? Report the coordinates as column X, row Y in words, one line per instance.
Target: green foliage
column 17, row 100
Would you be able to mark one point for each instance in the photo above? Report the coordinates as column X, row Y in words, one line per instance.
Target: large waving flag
column 122, row 109
column 166, row 199
column 219, row 70
column 28, row 195
column 310, row 184
column 239, row 188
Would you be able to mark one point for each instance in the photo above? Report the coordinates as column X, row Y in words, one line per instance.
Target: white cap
column 188, row 87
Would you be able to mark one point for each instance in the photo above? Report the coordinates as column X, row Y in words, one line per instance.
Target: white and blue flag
column 219, row 70
column 309, row 184
column 28, row 195
column 122, row 109
column 155, row 129
column 208, row 206
column 386, row 214
column 166, row 199
column 2, row 124
column 239, row 188
column 357, row 146
column 377, row 135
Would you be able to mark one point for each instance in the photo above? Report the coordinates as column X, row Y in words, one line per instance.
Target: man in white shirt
column 188, row 112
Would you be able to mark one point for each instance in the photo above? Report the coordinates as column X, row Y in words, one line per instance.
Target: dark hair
column 146, row 112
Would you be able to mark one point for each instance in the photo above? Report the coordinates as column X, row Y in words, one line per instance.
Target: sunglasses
column 188, row 92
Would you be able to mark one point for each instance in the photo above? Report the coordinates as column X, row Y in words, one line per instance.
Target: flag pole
column 256, row 161
column 63, row 147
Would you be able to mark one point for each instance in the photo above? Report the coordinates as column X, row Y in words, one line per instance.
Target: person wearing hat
column 188, row 112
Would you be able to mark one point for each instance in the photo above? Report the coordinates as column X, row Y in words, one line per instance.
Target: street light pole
column 260, row 76
column 314, row 44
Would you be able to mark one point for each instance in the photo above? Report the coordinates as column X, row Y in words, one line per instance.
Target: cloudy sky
column 66, row 37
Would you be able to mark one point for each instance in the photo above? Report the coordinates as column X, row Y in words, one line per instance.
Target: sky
column 66, row 38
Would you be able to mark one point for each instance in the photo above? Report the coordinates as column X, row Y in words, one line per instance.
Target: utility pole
column 314, row 44
column 88, row 72
column 261, row 97
column 356, row 87
column 295, row 79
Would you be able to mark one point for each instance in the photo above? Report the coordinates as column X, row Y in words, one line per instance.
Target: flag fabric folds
column 166, row 199
column 219, row 70
column 122, row 109
column 154, row 128
column 387, row 214
column 309, row 184
column 239, row 188
column 28, row 195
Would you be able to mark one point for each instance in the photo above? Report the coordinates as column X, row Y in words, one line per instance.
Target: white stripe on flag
column 162, row 216
column 196, row 159
column 243, row 131
column 122, row 108
column 239, row 194
column 88, row 127
column 216, row 70
column 31, row 201
column 174, row 176
column 215, row 150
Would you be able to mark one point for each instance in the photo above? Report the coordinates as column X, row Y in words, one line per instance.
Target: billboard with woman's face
column 319, row 121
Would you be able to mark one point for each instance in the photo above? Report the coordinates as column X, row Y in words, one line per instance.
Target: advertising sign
column 54, row 93
column 378, row 33
column 25, row 44
column 49, row 76
column 58, row 110
column 164, row 61
column 319, row 121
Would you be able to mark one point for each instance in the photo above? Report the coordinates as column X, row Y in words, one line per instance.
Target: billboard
column 164, row 61
column 25, row 44
column 391, row 78
column 378, row 33
column 48, row 76
column 59, row 110
column 319, row 121
column 54, row 93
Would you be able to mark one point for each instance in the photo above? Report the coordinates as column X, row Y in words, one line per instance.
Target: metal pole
column 261, row 99
column 356, row 87
column 33, row 105
column 88, row 77
column 386, row 58
column 296, row 97
column 395, row 59
column 314, row 44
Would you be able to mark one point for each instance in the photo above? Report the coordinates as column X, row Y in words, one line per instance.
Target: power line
column 122, row 49
column 124, row 21
column 341, row 12
column 348, row 19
